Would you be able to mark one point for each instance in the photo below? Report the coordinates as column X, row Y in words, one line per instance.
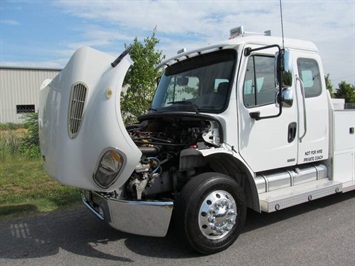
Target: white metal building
column 19, row 91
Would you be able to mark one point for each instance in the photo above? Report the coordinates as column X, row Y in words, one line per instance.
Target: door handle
column 292, row 129
column 304, row 108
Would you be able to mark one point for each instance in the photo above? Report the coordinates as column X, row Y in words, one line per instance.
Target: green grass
column 10, row 142
column 25, row 189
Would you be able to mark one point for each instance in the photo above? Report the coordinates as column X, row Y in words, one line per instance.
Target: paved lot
column 321, row 232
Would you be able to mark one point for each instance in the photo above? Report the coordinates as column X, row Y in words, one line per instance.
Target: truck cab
column 245, row 123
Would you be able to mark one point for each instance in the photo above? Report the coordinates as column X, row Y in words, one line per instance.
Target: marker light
column 236, row 32
column 108, row 93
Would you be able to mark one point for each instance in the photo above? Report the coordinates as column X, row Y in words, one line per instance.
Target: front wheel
column 210, row 212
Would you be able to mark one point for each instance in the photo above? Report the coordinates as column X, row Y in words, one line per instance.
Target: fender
column 226, row 161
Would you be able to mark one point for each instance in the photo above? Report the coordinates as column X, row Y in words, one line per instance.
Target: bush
column 20, row 140
column 30, row 141
column 11, row 126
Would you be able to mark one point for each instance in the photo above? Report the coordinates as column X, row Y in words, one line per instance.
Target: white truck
column 245, row 123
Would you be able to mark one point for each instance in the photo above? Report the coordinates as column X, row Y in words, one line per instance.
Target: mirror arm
column 255, row 115
column 249, row 50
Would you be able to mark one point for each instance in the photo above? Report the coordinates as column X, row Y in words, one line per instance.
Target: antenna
column 282, row 27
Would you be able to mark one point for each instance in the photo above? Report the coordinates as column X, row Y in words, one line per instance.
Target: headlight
column 109, row 167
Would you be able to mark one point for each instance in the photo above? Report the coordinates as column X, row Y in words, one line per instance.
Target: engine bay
column 161, row 140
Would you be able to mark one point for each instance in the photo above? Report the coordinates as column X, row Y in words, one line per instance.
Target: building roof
column 29, row 68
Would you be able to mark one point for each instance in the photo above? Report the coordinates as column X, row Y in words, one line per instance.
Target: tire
column 210, row 212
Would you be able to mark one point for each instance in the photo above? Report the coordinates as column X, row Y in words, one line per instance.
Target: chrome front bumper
column 148, row 218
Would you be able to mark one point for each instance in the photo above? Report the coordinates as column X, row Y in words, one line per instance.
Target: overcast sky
column 45, row 33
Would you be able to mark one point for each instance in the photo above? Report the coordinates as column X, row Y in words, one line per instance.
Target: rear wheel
column 210, row 212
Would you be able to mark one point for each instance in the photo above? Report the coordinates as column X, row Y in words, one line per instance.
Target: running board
column 348, row 186
column 287, row 197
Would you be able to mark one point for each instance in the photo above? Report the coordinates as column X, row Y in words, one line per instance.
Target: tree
column 329, row 85
column 346, row 91
column 141, row 78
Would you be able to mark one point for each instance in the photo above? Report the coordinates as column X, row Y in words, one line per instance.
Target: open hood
column 83, row 140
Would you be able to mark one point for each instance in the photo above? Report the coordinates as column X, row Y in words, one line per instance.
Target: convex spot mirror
column 286, row 97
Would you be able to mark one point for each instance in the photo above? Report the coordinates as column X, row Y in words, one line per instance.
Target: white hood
column 80, row 118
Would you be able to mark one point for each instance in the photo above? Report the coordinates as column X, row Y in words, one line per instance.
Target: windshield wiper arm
column 187, row 102
column 120, row 57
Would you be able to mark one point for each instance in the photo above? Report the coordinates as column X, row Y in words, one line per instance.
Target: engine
column 161, row 141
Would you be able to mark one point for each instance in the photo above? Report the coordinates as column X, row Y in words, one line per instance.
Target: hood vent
column 76, row 108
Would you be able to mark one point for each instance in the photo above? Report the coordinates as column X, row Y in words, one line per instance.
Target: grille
column 76, row 108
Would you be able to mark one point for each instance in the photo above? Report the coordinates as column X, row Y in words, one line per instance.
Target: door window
column 259, row 83
column 308, row 71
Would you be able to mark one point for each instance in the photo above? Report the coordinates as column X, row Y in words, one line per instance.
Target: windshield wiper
column 187, row 102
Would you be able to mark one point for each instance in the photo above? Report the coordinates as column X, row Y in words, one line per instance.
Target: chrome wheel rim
column 217, row 215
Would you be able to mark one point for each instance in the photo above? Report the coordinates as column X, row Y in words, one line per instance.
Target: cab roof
column 259, row 40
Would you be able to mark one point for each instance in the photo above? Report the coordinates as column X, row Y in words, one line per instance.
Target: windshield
column 200, row 84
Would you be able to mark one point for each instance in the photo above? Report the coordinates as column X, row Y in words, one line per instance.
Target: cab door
column 313, row 134
column 267, row 143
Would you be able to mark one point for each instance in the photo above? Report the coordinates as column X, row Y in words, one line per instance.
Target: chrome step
column 290, row 196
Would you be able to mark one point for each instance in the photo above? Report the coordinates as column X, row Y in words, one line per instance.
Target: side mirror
column 283, row 79
column 182, row 81
column 283, row 68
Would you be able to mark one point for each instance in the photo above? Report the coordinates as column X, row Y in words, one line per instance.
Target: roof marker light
column 240, row 32
column 237, row 32
column 183, row 50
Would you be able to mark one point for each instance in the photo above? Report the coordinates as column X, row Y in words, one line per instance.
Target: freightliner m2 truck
column 245, row 123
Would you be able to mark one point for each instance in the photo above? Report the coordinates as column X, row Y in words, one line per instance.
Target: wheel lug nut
column 211, row 219
column 221, row 231
column 231, row 221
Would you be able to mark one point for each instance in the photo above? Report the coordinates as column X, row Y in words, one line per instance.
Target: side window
column 308, row 71
column 259, row 85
